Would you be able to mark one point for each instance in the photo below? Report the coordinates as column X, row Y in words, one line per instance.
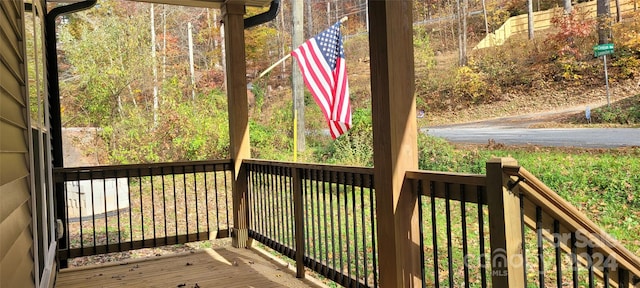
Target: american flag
column 323, row 66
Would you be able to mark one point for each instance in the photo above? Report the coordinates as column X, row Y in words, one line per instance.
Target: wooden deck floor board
column 222, row 267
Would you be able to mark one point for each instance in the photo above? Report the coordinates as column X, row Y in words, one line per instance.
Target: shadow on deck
column 219, row 267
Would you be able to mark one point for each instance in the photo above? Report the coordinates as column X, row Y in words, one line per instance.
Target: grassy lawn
column 602, row 183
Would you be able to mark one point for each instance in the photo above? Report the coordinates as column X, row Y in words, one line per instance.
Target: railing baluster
column 465, row 248
column 306, row 186
column 605, row 272
column 260, row 200
column 272, row 204
column 195, row 193
column 283, row 192
column 590, row 266
column 524, row 250
column 324, row 218
column 423, row 270
column 256, row 199
column 164, row 206
column 141, row 206
column 540, row 246
column 556, row 245
column 79, row 215
column 278, row 199
column 483, row 263
column 333, row 176
column 227, row 174
column 175, row 202
column 105, row 199
column 93, row 216
column 206, row 200
column 340, row 250
column 434, row 232
column 130, row 210
column 373, row 232
column 269, row 201
column 447, row 199
column 355, row 227
column 153, row 207
column 574, row 260
column 346, row 224
column 364, row 232
column 186, row 201
column 118, row 214
column 314, row 215
column 295, row 187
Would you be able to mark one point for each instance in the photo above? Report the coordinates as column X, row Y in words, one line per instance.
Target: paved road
column 578, row 137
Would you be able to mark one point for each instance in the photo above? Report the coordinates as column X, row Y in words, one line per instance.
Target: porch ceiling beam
column 394, row 141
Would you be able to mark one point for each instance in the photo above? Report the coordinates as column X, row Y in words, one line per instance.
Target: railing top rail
column 447, row 177
column 453, row 186
column 568, row 215
column 149, row 169
column 323, row 167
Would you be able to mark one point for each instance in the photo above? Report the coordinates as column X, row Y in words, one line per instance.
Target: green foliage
column 259, row 46
column 507, row 65
column 271, row 135
column 355, row 147
column 438, row 155
column 628, row 65
column 185, row 131
column 106, row 64
column 627, row 35
column 471, row 85
column 617, row 115
column 496, row 16
column 423, row 53
column 627, row 48
column 259, row 90
column 568, row 69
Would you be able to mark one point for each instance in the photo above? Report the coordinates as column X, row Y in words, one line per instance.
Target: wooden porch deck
column 219, row 267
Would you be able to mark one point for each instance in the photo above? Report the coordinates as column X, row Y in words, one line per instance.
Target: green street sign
column 603, row 49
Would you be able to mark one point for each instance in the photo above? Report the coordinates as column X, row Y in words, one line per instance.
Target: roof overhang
column 192, row 3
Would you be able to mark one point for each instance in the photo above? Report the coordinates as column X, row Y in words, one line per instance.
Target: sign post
column 604, row 50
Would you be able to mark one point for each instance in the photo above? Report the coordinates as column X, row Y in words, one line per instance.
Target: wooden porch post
column 238, row 108
column 505, row 227
column 394, row 141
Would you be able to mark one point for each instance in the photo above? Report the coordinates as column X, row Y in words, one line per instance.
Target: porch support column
column 394, row 141
column 238, row 108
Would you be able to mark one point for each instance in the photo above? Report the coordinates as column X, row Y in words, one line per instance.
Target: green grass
column 603, row 183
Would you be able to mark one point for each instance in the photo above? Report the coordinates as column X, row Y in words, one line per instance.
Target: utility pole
column 297, row 9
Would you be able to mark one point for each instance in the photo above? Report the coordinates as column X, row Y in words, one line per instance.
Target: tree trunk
column 309, row 19
column 462, row 32
column 297, row 11
column 603, row 11
column 164, row 42
column 567, row 7
column 618, row 14
column 530, row 18
column 155, row 68
column 484, row 12
column 465, row 14
column 191, row 65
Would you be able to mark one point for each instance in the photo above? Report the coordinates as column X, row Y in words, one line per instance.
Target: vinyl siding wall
column 16, row 239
